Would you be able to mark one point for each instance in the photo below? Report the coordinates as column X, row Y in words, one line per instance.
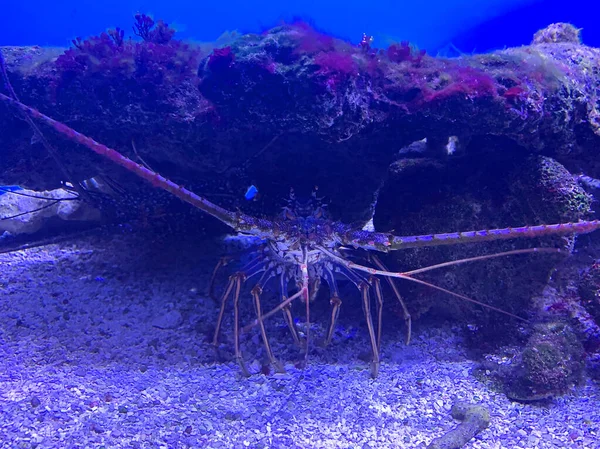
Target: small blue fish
column 251, row 193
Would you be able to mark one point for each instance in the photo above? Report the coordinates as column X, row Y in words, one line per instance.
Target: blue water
column 431, row 24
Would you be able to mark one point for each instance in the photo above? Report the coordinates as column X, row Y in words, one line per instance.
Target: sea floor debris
column 91, row 359
column 475, row 418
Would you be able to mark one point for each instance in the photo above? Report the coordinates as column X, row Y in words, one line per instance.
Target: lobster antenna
column 39, row 135
column 484, row 257
column 373, row 271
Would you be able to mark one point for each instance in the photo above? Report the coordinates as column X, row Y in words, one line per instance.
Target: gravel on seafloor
column 105, row 343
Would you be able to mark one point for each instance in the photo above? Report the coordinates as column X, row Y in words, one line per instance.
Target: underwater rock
column 168, row 320
column 425, row 195
column 268, row 109
column 589, row 289
column 28, row 211
column 558, row 33
column 550, row 190
column 588, row 316
column 551, row 363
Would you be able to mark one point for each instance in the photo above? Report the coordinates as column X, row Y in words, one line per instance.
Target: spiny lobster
column 303, row 247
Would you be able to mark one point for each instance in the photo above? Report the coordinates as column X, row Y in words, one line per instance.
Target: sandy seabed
column 105, row 343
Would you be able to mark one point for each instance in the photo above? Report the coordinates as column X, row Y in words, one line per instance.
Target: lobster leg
column 224, row 299
column 335, row 302
column 406, row 313
column 256, row 292
column 366, row 300
column 280, row 306
column 239, row 279
column 363, row 284
column 379, row 296
column 223, row 261
column 287, row 310
column 233, row 286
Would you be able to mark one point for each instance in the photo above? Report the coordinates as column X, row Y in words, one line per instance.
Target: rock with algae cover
column 268, row 109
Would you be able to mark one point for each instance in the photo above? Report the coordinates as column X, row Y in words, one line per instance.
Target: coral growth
column 553, row 192
column 551, row 363
column 558, row 33
column 589, row 290
column 156, row 59
column 145, row 28
column 403, row 52
column 295, row 81
column 220, row 59
column 463, row 81
column 307, row 40
column 335, row 66
column 335, row 62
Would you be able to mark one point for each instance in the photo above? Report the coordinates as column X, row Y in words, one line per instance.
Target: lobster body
column 302, row 248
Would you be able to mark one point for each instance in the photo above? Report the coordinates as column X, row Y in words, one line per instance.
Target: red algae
column 221, row 58
column 157, row 59
column 334, row 61
column 310, row 40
